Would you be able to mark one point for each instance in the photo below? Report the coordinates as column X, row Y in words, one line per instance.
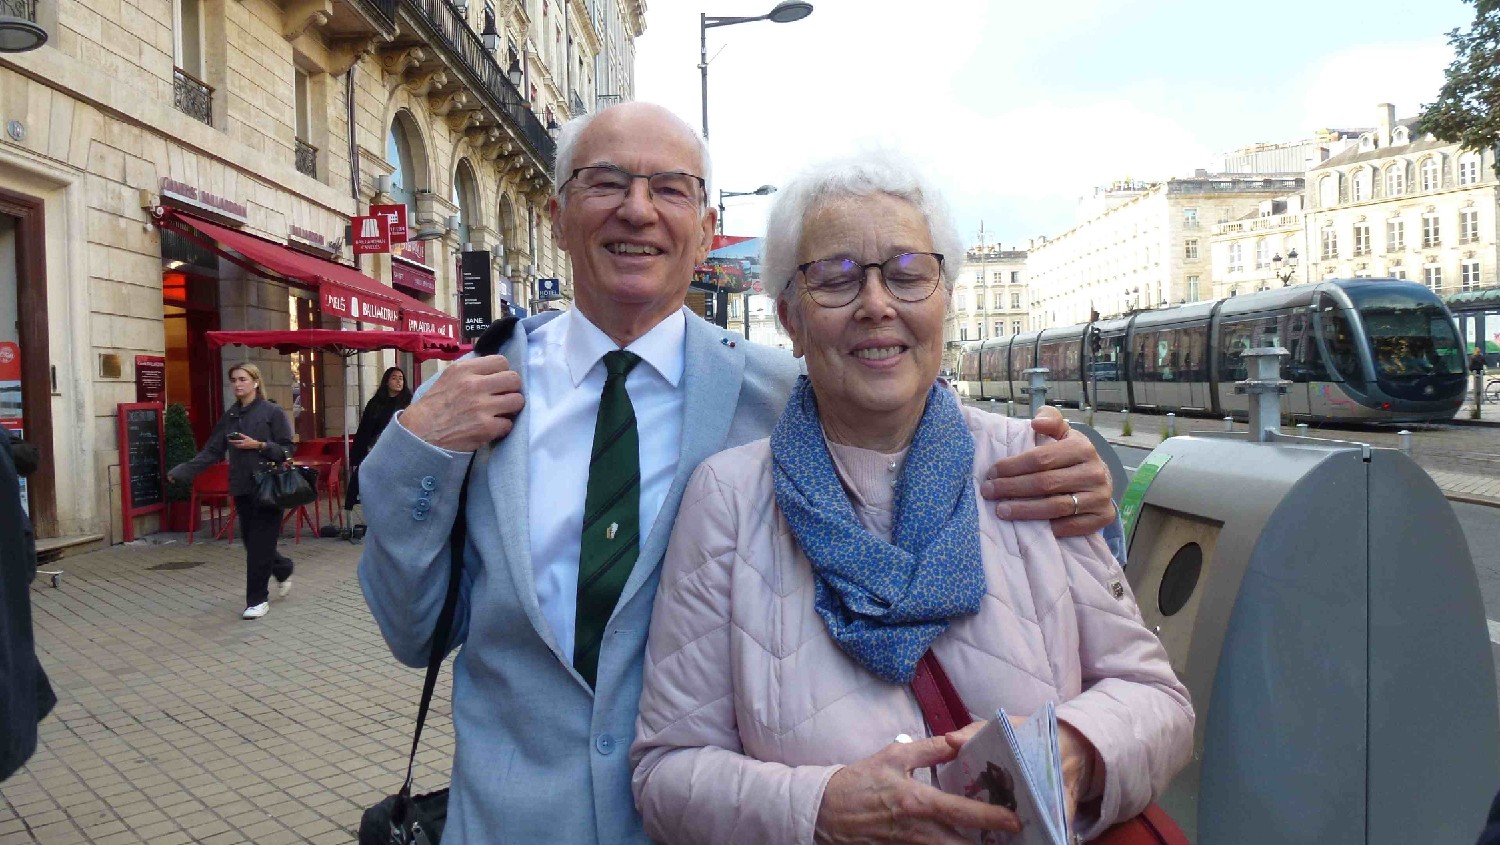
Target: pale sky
column 1017, row 107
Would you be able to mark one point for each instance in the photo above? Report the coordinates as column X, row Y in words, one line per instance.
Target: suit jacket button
column 604, row 744
column 418, row 515
column 429, row 483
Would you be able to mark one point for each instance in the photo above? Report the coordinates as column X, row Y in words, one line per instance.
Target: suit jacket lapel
column 507, row 471
column 711, row 388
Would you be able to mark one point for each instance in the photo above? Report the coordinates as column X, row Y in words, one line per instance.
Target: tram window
column 1306, row 362
column 968, row 366
column 1234, row 339
column 1070, row 361
column 1338, row 339
column 1168, row 352
column 1144, row 365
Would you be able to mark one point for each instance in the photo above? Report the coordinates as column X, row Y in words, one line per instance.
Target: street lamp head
column 763, row 190
column 788, row 11
column 490, row 36
column 517, row 76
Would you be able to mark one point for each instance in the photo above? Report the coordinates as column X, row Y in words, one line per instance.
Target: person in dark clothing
column 391, row 396
column 252, row 432
column 1491, row 833
column 25, row 695
column 1476, row 362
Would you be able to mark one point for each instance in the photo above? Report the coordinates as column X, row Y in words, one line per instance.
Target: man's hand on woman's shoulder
column 1042, row 483
column 473, row 402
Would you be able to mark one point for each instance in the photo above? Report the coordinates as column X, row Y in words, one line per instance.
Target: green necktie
column 611, row 514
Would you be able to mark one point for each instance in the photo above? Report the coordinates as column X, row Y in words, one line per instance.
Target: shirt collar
column 584, row 345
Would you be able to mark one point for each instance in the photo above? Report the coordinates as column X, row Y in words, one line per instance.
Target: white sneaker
column 257, row 611
column 284, row 587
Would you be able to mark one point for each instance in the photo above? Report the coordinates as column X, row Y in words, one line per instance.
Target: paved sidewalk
column 178, row 722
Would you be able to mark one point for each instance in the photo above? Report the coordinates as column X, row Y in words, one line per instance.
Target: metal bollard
column 1125, row 423
column 1037, row 390
column 1010, row 407
column 1229, row 423
column 1405, row 437
column 992, row 406
column 1264, row 388
column 1090, row 411
column 1301, row 429
column 1171, row 424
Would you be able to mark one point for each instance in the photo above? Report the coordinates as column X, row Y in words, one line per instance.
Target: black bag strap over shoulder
column 488, row 343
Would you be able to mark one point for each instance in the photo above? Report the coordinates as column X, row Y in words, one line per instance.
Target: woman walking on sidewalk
column 391, row 396
column 253, row 431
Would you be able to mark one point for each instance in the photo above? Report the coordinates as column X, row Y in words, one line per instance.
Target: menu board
column 150, row 378
column 141, row 462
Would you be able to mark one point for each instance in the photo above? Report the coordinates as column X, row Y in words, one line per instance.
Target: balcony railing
column 23, row 9
column 576, row 106
column 449, row 30
column 386, row 9
column 192, row 96
column 307, row 158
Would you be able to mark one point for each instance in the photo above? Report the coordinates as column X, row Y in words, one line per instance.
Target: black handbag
column 403, row 818
column 285, row 486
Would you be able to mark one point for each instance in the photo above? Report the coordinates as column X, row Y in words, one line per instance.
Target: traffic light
column 1096, row 341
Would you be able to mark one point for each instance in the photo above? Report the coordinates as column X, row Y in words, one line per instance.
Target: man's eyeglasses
column 836, row 282
column 607, row 183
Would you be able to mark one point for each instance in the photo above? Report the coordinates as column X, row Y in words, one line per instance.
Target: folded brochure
column 1018, row 767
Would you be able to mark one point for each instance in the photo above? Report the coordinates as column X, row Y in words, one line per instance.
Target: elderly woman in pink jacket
column 809, row 573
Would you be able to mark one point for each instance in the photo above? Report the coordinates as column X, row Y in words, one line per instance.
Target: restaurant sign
column 182, row 194
column 347, row 304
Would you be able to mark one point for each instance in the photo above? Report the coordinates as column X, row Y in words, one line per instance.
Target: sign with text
column 141, row 462
column 476, row 295
column 395, row 216
column 349, row 304
column 548, row 289
column 150, row 378
column 414, row 251
column 413, row 279
column 371, row 234
column 190, row 196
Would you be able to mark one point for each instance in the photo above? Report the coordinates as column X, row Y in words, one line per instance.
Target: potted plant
column 180, row 447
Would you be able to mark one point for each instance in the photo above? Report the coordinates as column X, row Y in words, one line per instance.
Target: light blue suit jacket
column 540, row 757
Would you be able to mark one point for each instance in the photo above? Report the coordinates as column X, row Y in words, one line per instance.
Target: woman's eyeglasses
column 836, row 282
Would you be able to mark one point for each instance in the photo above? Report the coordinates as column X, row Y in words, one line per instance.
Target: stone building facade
column 153, row 145
column 1404, row 205
column 1260, row 251
column 989, row 298
column 1147, row 251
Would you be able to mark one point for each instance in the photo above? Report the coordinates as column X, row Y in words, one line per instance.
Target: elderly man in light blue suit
column 545, row 692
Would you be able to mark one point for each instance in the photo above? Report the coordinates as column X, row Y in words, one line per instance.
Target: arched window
column 404, row 152
column 1361, row 185
column 1328, row 191
column 1429, row 173
column 1400, row 135
column 1395, row 180
column 466, row 197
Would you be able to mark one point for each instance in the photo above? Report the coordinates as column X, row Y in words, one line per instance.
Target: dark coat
column 25, row 696
column 1491, row 833
column 1476, row 362
column 262, row 420
column 379, row 412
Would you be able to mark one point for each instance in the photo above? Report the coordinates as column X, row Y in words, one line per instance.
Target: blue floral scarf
column 885, row 603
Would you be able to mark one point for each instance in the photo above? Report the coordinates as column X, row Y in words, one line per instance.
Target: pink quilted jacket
column 749, row 706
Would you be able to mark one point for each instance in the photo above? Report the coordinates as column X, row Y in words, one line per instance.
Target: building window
column 1468, row 169
column 996, row 301
column 1470, row 275
column 1433, row 277
column 306, row 156
column 963, row 332
column 1431, row 235
column 1015, row 301
column 1192, row 288
column 1330, row 244
column 1468, row 225
column 190, row 94
column 1395, row 236
column 1361, row 239
column 1398, row 273
column 1361, row 185
column 1190, row 218
column 1236, row 257
column 1015, row 277
column 1262, row 254
column 1192, row 249
column 1429, row 174
column 1395, row 180
column 963, row 300
column 1328, row 191
column 997, row 277
column 999, row 328
column 1015, row 326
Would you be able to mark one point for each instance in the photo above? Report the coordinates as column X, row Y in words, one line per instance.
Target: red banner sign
column 413, row 279
column 395, row 216
column 371, row 234
column 351, row 305
column 412, row 251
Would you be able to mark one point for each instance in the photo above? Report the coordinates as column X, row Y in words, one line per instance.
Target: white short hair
column 568, row 135
column 861, row 174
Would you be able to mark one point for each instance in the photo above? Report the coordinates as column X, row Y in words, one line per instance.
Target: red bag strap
column 941, row 706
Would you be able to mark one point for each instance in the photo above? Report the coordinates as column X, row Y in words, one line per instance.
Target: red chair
column 211, row 489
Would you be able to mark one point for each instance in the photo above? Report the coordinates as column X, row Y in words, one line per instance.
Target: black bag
column 403, row 818
column 286, row 486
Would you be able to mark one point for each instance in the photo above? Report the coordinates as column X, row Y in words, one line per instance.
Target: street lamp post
column 1290, row 262
column 763, row 190
column 786, row 11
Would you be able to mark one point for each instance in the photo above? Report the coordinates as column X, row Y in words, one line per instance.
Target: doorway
column 27, row 378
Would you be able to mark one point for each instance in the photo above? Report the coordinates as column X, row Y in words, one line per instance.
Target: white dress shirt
column 564, row 379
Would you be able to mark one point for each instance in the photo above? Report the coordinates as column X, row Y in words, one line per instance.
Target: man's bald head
column 648, row 118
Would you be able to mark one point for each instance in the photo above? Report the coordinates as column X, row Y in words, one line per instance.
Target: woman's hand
column 876, row 800
column 1078, row 762
column 1041, row 483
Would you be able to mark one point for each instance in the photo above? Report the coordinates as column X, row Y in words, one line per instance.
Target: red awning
column 342, row 290
column 423, row 346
